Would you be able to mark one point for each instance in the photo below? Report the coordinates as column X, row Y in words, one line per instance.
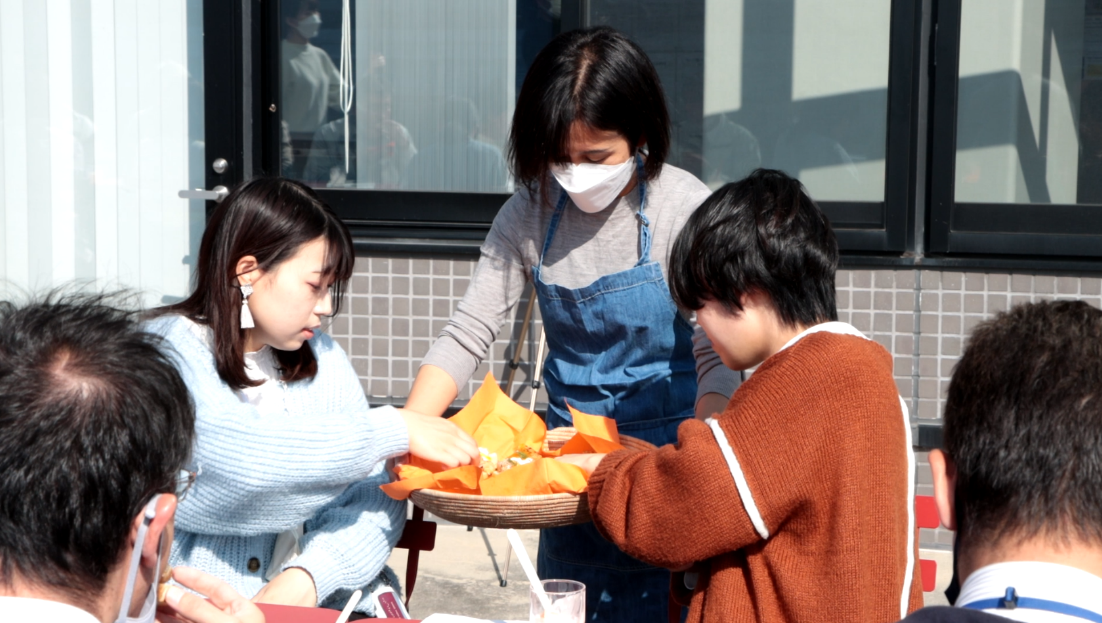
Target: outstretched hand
column 588, row 462
column 225, row 605
column 436, row 439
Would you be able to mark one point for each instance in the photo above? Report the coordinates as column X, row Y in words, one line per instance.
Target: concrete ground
column 462, row 575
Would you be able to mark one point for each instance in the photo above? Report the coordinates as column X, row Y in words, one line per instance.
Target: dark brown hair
column 596, row 76
column 1023, row 425
column 270, row 219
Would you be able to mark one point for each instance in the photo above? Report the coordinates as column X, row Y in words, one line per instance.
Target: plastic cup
column 567, row 599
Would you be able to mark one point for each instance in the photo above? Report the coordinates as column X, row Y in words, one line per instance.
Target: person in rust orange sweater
column 795, row 503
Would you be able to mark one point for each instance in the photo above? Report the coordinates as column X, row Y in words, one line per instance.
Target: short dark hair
column 762, row 233
column 94, row 421
column 269, row 218
column 290, row 9
column 596, row 76
column 1023, row 425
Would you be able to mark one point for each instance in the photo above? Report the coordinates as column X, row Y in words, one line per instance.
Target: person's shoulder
column 677, row 189
column 14, row 608
column 848, row 346
column 673, row 178
column 947, row 614
column 171, row 327
column 483, row 149
column 519, row 213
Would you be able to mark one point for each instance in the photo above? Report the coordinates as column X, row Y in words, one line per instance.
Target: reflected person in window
column 288, row 509
column 458, row 161
column 378, row 158
column 309, row 79
column 591, row 228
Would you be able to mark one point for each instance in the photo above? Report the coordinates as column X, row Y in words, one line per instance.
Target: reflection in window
column 1029, row 115
column 798, row 86
column 433, row 92
column 795, row 85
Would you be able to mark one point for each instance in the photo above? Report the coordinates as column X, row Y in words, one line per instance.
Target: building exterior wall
column 397, row 305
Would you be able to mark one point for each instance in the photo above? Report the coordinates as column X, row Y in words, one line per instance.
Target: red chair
column 418, row 536
column 926, row 517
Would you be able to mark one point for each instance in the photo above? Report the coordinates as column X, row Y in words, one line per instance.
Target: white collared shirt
column 1037, row 580
column 19, row 609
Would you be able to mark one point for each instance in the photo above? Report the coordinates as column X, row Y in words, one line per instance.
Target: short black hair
column 1023, row 425
column 762, row 233
column 290, row 9
column 596, row 76
column 94, row 421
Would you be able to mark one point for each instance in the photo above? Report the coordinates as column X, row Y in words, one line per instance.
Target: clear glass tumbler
column 567, row 599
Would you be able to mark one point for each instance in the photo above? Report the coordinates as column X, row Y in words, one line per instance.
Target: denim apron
column 617, row 347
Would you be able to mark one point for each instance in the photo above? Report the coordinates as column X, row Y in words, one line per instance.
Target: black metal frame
column 885, row 226
column 397, row 221
column 225, row 60
column 957, row 229
column 917, row 224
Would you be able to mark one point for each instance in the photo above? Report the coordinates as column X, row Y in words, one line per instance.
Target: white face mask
column 309, row 27
column 593, row 187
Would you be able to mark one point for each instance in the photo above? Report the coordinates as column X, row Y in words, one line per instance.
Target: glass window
column 423, row 101
column 799, row 86
column 1029, row 116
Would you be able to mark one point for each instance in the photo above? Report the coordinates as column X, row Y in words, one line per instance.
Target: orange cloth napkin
column 503, row 427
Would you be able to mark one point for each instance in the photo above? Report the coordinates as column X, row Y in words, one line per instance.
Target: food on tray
column 511, row 442
column 492, row 467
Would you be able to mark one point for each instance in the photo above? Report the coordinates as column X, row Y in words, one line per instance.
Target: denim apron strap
column 620, row 348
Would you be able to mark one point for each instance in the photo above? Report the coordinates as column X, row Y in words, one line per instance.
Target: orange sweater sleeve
column 801, row 434
column 673, row 506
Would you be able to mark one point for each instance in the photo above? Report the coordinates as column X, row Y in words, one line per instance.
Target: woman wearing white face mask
column 591, row 228
column 309, row 80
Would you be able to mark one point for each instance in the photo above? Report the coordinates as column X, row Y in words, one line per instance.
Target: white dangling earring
column 246, row 314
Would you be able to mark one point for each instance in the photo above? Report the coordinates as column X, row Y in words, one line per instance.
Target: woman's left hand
column 293, row 587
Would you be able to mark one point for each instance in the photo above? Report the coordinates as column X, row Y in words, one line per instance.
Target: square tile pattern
column 396, row 306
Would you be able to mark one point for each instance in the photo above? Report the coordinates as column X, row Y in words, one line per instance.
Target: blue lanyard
column 1012, row 601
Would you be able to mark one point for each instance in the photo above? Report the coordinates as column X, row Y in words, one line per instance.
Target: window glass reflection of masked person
column 310, row 82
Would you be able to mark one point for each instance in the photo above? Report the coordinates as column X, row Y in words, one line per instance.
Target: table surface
column 294, row 614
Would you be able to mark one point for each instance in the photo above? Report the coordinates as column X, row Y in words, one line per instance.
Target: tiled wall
column 396, row 307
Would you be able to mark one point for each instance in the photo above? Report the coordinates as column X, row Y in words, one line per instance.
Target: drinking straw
column 352, row 601
column 529, row 570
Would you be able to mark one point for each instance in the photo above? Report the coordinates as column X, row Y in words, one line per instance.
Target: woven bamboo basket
column 522, row 512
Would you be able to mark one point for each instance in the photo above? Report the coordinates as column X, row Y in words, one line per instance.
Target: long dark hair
column 270, row 219
column 596, row 76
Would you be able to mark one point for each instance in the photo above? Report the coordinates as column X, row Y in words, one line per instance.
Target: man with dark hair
column 1020, row 478
column 96, row 426
column 795, row 503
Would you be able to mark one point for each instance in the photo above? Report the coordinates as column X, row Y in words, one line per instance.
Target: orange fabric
column 819, row 436
column 503, row 427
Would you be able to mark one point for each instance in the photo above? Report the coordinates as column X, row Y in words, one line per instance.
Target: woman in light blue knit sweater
column 287, row 506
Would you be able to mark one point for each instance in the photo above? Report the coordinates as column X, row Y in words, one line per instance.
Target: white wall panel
column 94, row 144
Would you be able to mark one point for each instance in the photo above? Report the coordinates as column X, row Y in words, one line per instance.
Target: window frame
column 918, row 223
column 455, row 222
column 1067, row 234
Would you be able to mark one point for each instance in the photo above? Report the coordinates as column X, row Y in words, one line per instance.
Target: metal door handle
column 218, row 194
